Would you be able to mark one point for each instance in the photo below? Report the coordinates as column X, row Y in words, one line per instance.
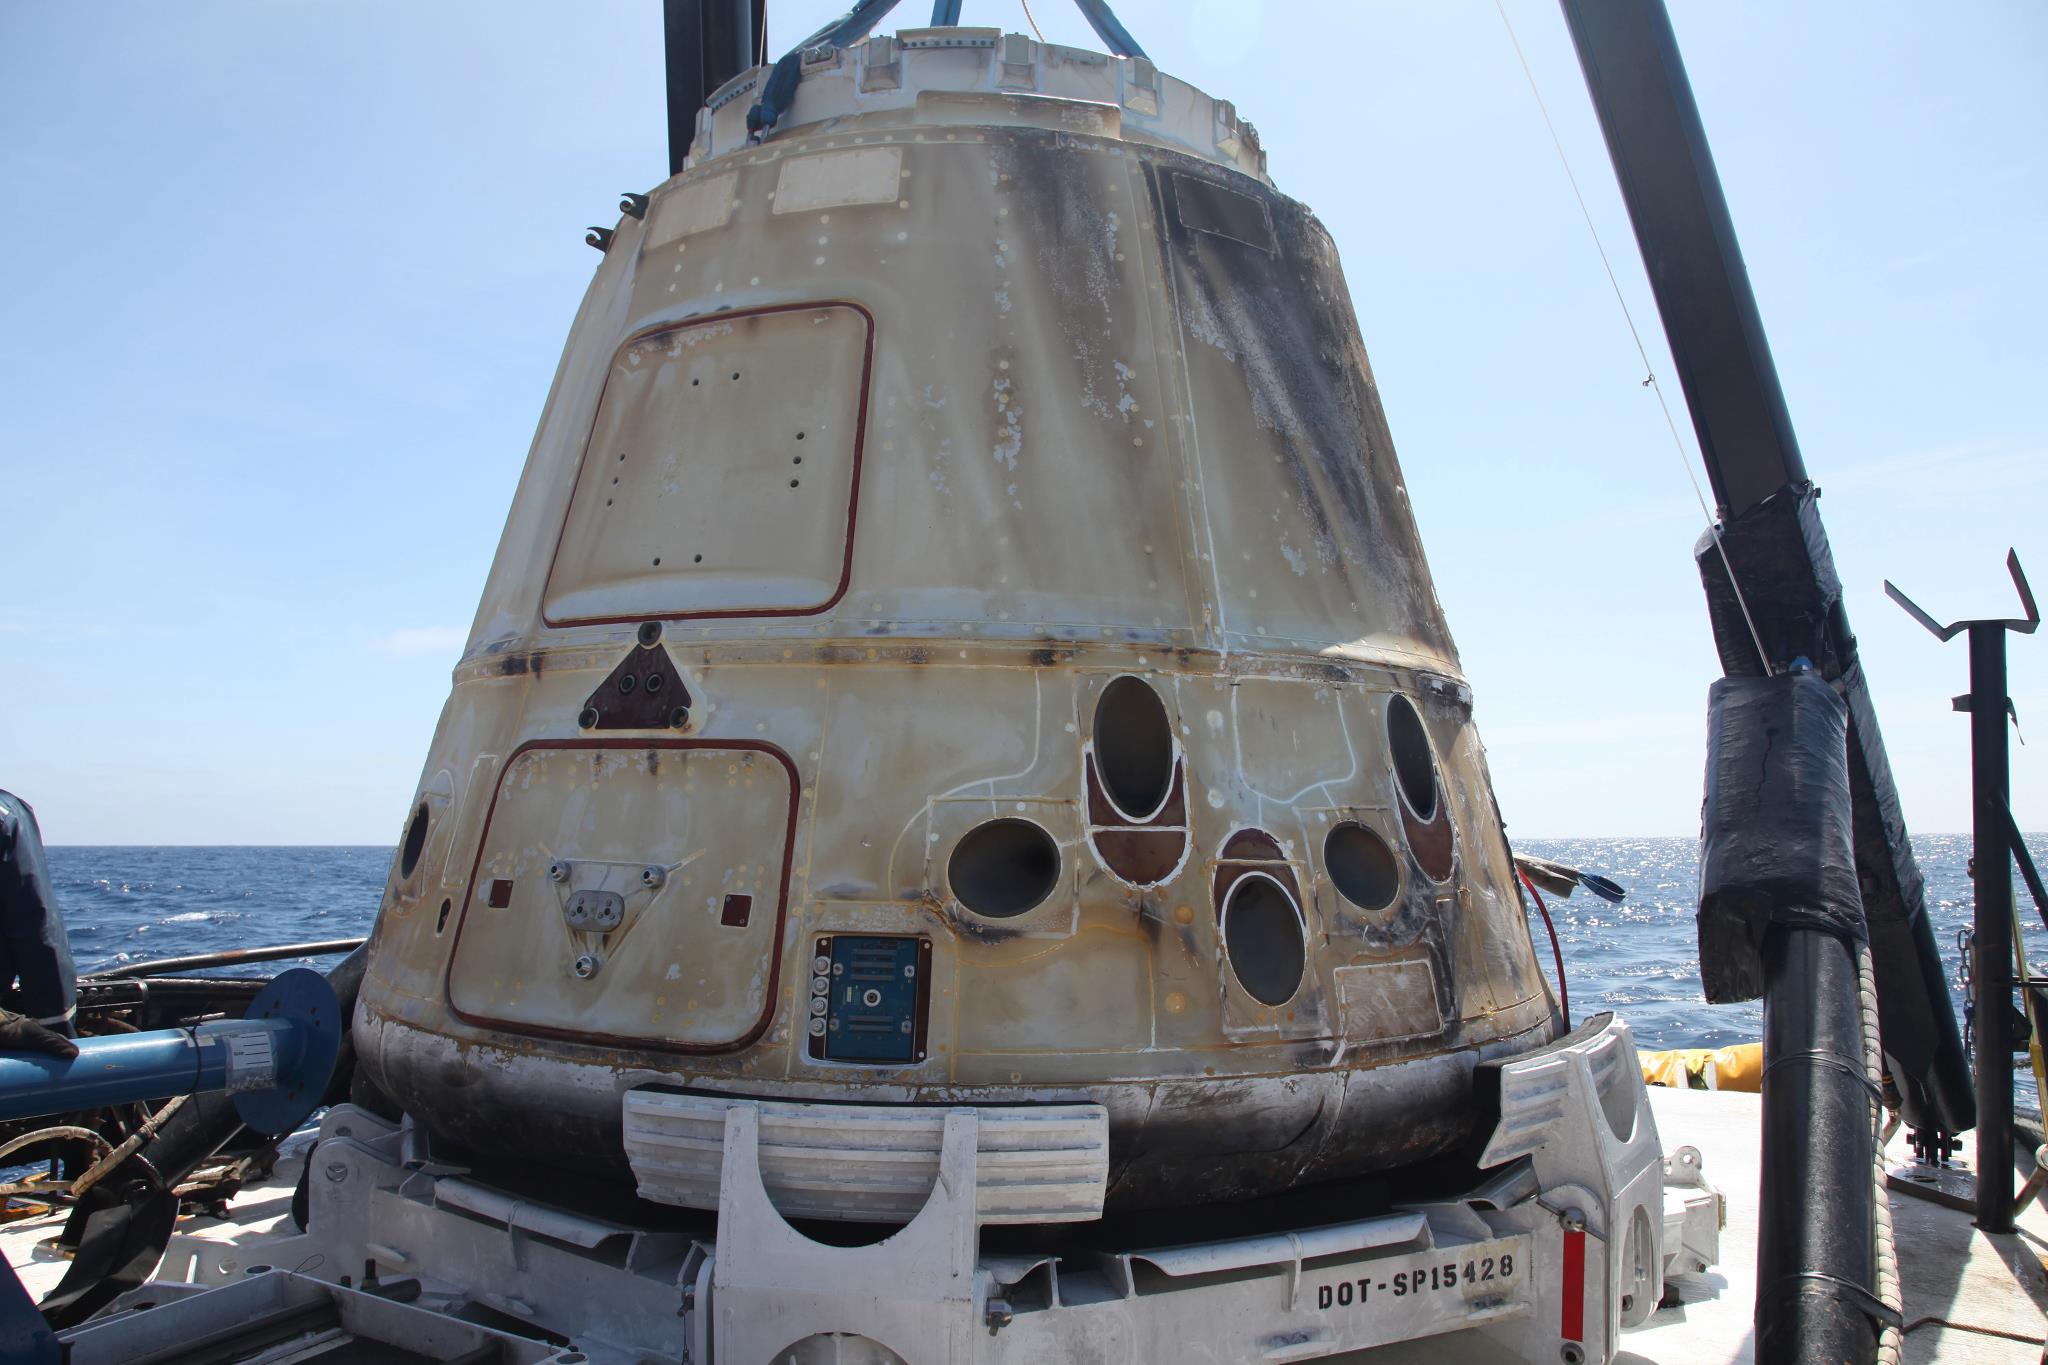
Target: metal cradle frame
column 1564, row 1243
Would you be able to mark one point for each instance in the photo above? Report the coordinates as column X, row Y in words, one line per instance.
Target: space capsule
column 960, row 638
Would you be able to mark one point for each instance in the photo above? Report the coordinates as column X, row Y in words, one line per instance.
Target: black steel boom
column 1774, row 598
column 706, row 43
column 1771, row 531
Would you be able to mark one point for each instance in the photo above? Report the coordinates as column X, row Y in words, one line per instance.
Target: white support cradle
column 1484, row 1276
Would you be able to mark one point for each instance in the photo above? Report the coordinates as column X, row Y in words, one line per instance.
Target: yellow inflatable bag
column 1739, row 1066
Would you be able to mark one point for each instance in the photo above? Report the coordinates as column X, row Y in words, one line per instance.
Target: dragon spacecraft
column 960, row 638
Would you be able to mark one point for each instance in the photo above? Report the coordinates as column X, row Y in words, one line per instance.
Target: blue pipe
column 274, row 1062
column 127, row 1068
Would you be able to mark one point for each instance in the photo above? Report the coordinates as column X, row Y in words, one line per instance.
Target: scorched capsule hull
column 960, row 637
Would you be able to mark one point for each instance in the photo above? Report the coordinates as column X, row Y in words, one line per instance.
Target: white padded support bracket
column 917, row 1292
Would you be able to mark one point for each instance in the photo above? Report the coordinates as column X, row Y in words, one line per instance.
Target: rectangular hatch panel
column 722, row 473
column 617, row 868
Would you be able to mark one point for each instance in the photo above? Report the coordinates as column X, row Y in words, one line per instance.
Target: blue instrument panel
column 869, row 998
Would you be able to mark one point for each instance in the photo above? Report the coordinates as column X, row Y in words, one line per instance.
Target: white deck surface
column 1951, row 1271
column 1948, row 1268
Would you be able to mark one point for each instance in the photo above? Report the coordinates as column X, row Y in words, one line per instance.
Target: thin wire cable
column 1649, row 371
column 2001, row 1333
column 1564, row 994
column 1031, row 21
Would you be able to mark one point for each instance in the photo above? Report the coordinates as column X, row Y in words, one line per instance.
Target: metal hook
column 2022, row 625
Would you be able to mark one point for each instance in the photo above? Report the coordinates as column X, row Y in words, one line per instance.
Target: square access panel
column 630, row 895
column 723, row 471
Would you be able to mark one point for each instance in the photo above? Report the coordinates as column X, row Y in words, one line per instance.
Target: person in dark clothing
column 35, row 952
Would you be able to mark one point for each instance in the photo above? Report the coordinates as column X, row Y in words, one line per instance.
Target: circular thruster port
column 1003, row 868
column 1362, row 866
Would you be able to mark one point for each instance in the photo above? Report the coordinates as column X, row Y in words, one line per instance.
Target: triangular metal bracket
column 645, row 692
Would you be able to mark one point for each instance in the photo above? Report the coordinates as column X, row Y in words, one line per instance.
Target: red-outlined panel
column 768, row 1002
column 860, row 436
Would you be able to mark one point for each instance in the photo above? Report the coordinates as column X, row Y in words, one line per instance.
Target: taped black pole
column 1992, row 970
column 1771, row 541
column 1816, row 1259
column 1779, row 904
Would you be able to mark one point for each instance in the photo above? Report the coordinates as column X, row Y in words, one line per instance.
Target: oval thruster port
column 1362, row 866
column 1263, row 938
column 1004, row 867
column 1414, row 763
column 1133, row 746
column 415, row 842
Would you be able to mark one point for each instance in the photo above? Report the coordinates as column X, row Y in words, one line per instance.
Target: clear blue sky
column 285, row 285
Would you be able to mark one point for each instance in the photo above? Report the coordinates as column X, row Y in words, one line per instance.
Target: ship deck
column 1969, row 1297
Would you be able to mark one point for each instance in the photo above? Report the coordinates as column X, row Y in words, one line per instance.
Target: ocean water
column 139, row 904
column 1639, row 958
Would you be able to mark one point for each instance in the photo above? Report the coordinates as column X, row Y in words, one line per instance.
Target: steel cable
column 1642, row 352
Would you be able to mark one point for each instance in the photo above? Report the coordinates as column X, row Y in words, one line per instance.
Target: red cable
column 1564, row 995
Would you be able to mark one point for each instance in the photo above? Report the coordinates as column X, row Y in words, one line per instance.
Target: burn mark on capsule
column 983, row 931
column 1285, row 323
